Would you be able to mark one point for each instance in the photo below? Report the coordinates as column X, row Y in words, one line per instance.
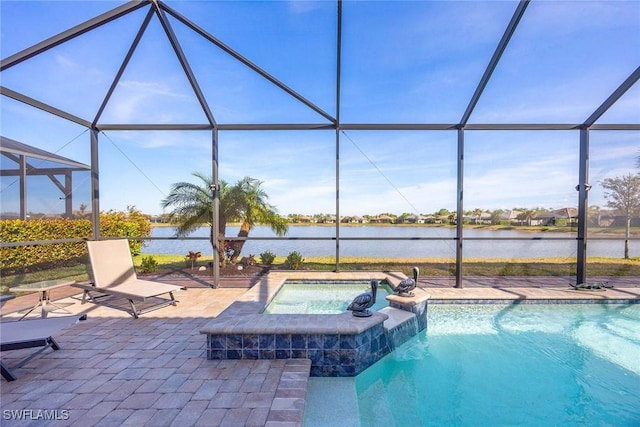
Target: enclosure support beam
column 459, row 208
column 186, row 68
column 23, row 187
column 337, row 269
column 95, row 186
column 246, row 62
column 123, row 66
column 617, row 94
column 68, row 195
column 42, row 106
column 215, row 221
column 583, row 206
column 338, row 75
column 502, row 45
column 363, row 126
column 71, row 33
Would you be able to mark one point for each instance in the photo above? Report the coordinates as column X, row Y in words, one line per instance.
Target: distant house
column 570, row 215
column 445, row 219
column 511, row 215
column 411, row 219
column 352, row 220
column 482, row 218
column 431, row 219
column 611, row 218
column 416, row 219
column 327, row 219
column 485, row 218
column 382, row 219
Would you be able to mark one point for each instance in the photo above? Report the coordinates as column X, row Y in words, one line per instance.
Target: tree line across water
column 246, row 202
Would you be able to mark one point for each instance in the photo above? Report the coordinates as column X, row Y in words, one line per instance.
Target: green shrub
column 294, row 260
column 148, row 265
column 267, row 257
column 36, row 257
column 131, row 223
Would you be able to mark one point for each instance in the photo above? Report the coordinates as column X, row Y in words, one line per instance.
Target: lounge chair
column 31, row 333
column 113, row 274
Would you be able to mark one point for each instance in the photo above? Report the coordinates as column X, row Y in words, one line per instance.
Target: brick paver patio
column 114, row 370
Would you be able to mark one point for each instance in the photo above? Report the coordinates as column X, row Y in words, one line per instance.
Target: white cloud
column 136, row 102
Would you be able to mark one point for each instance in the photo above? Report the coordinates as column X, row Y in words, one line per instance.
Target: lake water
column 390, row 248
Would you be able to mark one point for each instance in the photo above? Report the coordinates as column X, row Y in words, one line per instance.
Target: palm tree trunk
column 238, row 244
column 221, row 236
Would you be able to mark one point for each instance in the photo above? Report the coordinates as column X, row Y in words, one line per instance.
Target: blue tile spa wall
column 331, row 355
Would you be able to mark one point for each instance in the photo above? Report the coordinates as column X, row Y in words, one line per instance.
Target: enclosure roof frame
column 161, row 11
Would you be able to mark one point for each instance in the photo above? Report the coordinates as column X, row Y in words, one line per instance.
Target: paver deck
column 116, row 370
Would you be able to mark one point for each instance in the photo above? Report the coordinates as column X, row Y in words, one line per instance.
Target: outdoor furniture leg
column 43, row 302
column 133, row 309
column 50, row 342
column 46, row 300
column 86, row 294
column 30, row 310
column 6, row 372
column 44, row 297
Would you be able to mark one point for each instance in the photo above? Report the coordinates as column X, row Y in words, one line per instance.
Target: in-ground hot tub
column 336, row 344
column 323, row 296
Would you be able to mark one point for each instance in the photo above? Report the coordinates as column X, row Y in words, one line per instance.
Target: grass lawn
column 428, row 267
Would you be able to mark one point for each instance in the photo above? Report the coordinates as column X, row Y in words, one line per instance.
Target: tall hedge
column 30, row 258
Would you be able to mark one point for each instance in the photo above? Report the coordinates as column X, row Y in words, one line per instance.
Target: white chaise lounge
column 113, row 274
column 31, row 333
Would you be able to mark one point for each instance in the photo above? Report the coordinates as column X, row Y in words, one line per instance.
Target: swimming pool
column 486, row 365
column 323, row 297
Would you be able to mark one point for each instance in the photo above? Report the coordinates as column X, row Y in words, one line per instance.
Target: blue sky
column 403, row 62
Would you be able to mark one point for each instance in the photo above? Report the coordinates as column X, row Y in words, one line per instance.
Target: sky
column 402, row 62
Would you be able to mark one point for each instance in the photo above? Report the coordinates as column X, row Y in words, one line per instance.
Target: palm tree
column 244, row 202
column 247, row 203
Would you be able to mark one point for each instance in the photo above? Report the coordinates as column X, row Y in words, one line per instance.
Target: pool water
column 323, row 298
column 507, row 365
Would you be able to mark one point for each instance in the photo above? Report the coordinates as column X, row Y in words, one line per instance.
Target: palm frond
column 246, row 201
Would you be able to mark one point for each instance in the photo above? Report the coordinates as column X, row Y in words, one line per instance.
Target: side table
column 43, row 287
